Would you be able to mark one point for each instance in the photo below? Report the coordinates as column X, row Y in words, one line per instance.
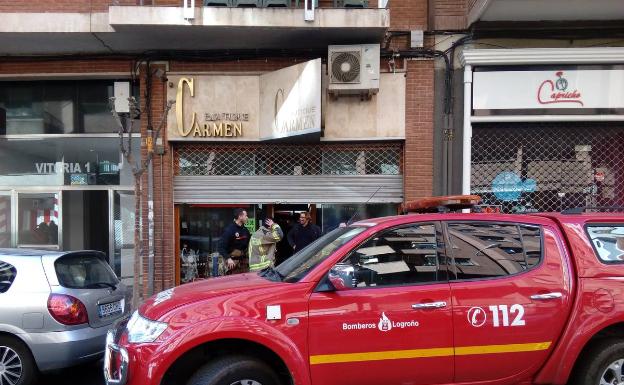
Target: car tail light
column 67, row 310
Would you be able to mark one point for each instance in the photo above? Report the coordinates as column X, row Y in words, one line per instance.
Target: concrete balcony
column 133, row 29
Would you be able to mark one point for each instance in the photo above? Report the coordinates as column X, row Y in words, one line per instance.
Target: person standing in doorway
column 234, row 243
column 263, row 245
column 304, row 233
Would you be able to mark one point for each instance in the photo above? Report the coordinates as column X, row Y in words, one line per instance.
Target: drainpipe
column 150, row 182
column 466, row 158
column 150, row 214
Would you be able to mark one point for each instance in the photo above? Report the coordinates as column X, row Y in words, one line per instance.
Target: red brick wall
column 449, row 14
column 59, row 5
column 408, row 14
column 419, row 130
column 64, row 66
column 234, row 66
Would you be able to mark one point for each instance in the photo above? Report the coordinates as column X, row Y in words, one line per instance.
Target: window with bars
column 326, row 159
column 528, row 167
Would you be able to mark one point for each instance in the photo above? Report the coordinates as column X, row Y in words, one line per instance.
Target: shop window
column 489, row 250
column 538, row 167
column 38, row 219
column 57, row 107
column 326, row 159
column 201, row 227
column 63, row 161
column 344, row 162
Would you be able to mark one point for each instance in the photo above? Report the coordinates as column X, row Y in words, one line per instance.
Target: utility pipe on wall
column 466, row 157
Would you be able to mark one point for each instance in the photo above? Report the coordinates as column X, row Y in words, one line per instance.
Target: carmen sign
column 218, row 125
column 292, row 98
column 554, row 89
column 276, row 105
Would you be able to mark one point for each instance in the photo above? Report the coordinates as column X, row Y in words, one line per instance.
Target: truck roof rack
column 584, row 209
column 441, row 204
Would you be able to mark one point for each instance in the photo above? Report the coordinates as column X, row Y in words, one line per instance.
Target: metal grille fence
column 323, row 159
column 548, row 167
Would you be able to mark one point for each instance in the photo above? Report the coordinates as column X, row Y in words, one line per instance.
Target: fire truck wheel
column 235, row 370
column 602, row 364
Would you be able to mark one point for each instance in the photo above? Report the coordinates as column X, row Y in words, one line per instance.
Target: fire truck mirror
column 342, row 277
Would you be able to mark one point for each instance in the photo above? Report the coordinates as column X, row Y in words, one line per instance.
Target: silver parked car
column 55, row 310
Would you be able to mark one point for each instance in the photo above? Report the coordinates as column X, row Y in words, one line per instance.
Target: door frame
column 9, row 193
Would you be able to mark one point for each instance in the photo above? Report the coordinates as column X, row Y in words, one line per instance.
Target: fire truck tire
column 603, row 363
column 235, row 370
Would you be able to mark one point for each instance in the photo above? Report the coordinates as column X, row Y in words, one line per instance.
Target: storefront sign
column 553, row 89
column 59, row 167
column 275, row 105
column 290, row 101
column 209, row 123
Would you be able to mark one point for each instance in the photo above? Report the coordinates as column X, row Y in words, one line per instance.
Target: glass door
column 122, row 244
column 5, row 219
column 39, row 220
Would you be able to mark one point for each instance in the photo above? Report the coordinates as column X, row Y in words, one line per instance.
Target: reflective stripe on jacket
column 262, row 246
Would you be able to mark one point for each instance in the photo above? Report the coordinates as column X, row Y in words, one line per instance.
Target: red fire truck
column 428, row 298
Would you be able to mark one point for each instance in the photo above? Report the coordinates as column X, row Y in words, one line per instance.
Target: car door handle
column 547, row 296
column 429, row 305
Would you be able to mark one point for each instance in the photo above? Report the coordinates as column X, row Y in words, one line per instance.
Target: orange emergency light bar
column 442, row 204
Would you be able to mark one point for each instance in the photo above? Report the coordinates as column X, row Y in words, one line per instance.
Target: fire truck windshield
column 297, row 266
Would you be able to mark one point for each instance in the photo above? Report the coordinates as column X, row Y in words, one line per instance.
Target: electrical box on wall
column 122, row 93
column 353, row 69
column 417, row 38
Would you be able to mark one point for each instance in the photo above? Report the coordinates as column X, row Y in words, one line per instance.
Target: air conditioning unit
column 353, row 69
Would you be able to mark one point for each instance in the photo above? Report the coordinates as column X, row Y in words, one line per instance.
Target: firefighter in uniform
column 263, row 244
column 234, row 243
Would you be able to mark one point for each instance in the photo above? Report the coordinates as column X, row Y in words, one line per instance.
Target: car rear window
column 7, row 276
column 84, row 271
column 608, row 241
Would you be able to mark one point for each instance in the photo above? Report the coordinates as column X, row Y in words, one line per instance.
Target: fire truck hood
column 168, row 300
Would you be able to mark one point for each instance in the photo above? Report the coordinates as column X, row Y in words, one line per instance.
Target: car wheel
column 602, row 364
column 235, row 370
column 17, row 367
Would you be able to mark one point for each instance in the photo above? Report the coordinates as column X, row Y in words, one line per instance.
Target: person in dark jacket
column 304, row 233
column 235, row 242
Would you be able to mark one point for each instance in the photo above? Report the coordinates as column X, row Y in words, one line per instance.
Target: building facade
column 257, row 123
column 532, row 118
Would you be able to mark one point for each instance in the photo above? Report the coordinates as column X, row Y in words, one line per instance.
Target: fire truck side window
column 402, row 256
column 488, row 250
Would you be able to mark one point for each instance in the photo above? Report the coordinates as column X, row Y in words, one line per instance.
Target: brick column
column 418, row 159
column 164, row 230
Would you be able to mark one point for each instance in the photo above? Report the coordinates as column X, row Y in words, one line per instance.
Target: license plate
column 110, row 309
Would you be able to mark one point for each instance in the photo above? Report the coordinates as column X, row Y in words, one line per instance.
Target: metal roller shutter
column 268, row 189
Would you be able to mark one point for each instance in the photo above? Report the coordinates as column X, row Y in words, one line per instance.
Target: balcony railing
column 286, row 3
